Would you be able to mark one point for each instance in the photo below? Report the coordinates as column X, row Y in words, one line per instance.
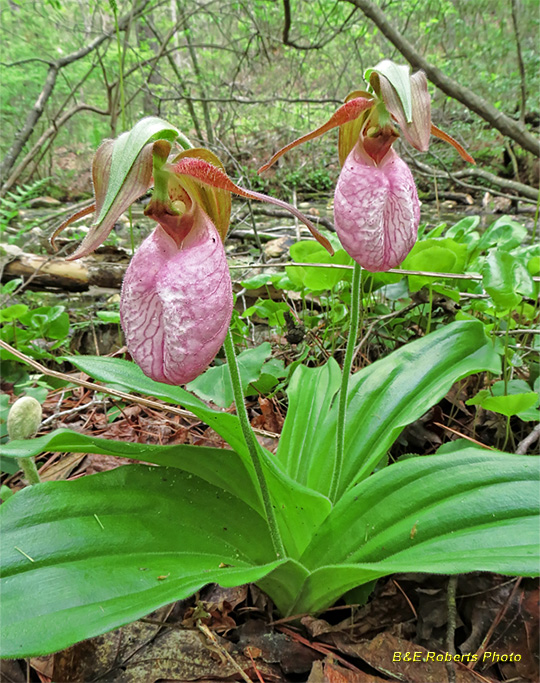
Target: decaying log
column 46, row 272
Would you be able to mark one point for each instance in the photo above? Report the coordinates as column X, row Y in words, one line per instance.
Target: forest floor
column 409, row 630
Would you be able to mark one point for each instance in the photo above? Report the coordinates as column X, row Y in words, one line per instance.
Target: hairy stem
column 28, row 466
column 252, row 444
column 347, row 363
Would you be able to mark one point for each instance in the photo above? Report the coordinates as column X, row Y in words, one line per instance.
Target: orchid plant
column 376, row 206
column 308, row 523
column 176, row 300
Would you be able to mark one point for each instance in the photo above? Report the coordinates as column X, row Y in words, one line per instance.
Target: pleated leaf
column 393, row 392
column 83, row 557
column 472, row 510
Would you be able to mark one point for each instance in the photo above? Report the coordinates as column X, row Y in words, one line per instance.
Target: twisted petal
column 376, row 209
column 137, row 183
column 418, row 129
column 347, row 113
column 176, row 302
column 189, row 169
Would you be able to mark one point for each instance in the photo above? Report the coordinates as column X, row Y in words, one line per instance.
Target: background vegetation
column 244, row 76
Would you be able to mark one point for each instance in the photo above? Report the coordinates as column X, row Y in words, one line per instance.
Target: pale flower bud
column 24, row 418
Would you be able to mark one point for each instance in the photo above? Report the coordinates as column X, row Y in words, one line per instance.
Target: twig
column 397, row 271
column 451, row 626
column 396, row 584
column 112, row 392
column 464, row 436
column 524, row 192
column 364, row 339
column 523, row 446
column 222, row 651
column 494, row 625
column 71, row 411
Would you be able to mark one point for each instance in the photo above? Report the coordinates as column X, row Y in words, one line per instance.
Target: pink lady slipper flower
column 176, row 301
column 376, row 205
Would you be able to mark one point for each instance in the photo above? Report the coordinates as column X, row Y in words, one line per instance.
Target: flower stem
column 28, row 466
column 347, row 363
column 252, row 445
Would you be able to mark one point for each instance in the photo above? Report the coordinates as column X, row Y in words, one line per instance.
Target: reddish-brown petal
column 203, row 172
column 215, row 201
column 350, row 131
column 438, row 133
column 69, row 221
column 347, row 112
column 136, row 184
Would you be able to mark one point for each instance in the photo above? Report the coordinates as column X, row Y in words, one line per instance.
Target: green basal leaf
column 109, row 548
column 83, row 557
column 311, row 393
column 217, row 466
column 127, row 148
column 392, row 393
column 125, row 374
column 289, row 496
column 470, row 510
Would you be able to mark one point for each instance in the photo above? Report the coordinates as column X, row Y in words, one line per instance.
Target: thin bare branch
column 503, row 123
column 28, row 127
column 312, row 46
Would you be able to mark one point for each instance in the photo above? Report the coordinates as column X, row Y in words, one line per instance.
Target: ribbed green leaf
column 311, row 392
column 395, row 391
column 292, row 500
column 80, row 558
column 129, row 375
column 218, row 466
column 464, row 511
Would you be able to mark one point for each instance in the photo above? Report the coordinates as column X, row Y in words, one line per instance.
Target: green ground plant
column 323, row 515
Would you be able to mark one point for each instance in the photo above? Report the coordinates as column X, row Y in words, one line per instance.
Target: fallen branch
column 525, row 192
column 47, row 272
column 523, row 446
